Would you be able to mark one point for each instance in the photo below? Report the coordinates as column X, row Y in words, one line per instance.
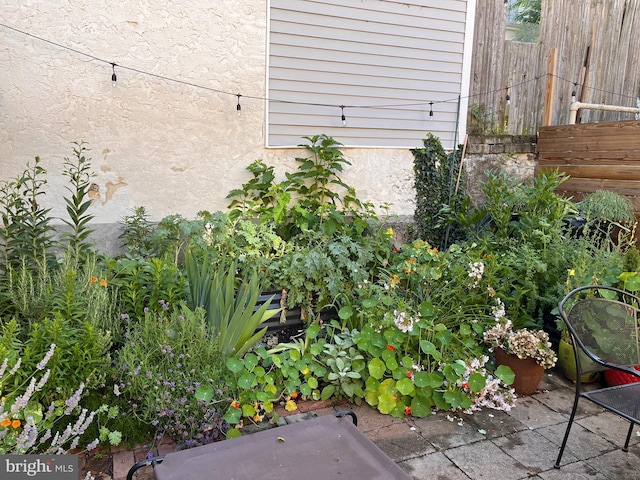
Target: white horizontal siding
column 383, row 60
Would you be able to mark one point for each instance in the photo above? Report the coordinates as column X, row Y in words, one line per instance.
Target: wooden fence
column 597, row 156
column 598, row 44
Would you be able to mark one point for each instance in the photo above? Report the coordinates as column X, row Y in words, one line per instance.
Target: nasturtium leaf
column 425, row 379
column 250, row 361
column 345, row 312
column 377, row 368
column 386, row 403
column 248, row 411
column 233, row 433
column 233, row 415
column 505, row 374
column 235, row 364
column 305, row 389
column 405, row 386
column 369, row 302
column 477, row 382
column 246, row 381
column 420, row 407
column 313, row 382
column 204, row 393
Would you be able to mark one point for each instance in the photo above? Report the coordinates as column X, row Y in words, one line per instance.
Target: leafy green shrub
column 164, row 360
column 313, row 197
column 435, row 181
column 25, row 425
column 81, row 353
column 27, row 234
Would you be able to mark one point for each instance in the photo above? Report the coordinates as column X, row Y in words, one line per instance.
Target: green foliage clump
column 313, row 197
column 435, row 181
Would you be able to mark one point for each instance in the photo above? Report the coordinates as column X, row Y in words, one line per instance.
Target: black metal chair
column 603, row 325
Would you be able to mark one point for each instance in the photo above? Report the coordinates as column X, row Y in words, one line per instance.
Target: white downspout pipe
column 575, row 106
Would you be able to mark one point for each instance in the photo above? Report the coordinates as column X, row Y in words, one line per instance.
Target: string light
column 573, row 92
column 507, row 96
column 344, row 119
column 114, row 78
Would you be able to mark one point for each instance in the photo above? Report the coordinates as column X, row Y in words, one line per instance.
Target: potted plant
column 528, row 353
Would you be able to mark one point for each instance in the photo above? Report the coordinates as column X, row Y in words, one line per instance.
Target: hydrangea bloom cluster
column 523, row 343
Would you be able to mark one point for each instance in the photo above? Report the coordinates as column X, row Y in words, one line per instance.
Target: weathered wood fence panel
column 596, row 156
column 598, row 44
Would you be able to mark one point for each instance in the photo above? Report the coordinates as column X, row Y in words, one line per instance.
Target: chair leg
column 626, row 443
column 566, row 433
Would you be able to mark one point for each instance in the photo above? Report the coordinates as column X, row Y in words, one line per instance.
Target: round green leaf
column 204, row 393
column 369, row 302
column 345, row 312
column 477, row 382
column 505, row 374
column 235, row 364
column 377, row 368
column 246, row 381
column 405, row 386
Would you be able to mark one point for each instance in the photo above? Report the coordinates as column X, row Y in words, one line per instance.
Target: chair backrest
column 607, row 329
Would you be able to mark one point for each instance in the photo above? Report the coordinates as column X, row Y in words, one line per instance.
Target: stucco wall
column 170, row 147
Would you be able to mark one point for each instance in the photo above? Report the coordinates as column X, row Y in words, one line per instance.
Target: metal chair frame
column 623, row 400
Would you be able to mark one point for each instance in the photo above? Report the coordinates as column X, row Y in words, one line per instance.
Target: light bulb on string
column 573, row 92
column 114, row 77
column 238, row 106
column 344, row 119
column 430, row 110
column 507, row 96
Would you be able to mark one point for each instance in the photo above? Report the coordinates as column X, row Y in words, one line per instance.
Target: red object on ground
column 616, row 377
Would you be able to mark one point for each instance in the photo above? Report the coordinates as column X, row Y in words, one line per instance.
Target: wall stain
column 113, row 187
column 94, row 192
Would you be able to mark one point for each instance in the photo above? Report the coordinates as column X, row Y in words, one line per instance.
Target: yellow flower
column 103, row 282
column 15, row 424
column 389, row 232
column 571, row 272
column 290, row 406
column 304, row 371
column 5, row 422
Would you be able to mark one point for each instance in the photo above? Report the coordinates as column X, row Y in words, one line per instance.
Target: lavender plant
column 163, row 361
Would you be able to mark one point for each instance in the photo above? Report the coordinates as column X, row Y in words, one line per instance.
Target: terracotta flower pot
column 528, row 372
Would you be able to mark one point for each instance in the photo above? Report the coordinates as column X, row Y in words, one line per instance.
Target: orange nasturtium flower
column 407, row 410
column 93, row 280
column 235, row 404
column 15, row 424
column 391, row 348
column 103, row 282
column 5, row 422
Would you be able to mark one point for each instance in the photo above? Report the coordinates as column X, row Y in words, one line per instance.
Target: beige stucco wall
column 170, row 147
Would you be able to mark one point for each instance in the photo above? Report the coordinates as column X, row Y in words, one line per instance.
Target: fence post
column 550, row 89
